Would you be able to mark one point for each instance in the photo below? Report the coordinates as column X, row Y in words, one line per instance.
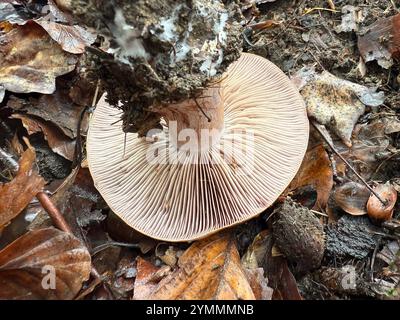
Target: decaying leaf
column 43, row 264
column 259, row 284
column 282, row 280
column 209, row 269
column 58, row 142
column 16, row 195
column 316, row 171
column 147, row 278
column 335, row 102
column 72, row 39
column 30, row 60
column 56, row 108
column 352, row 197
column 376, row 209
column 381, row 41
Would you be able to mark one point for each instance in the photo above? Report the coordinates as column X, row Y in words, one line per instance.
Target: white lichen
column 168, row 24
column 128, row 39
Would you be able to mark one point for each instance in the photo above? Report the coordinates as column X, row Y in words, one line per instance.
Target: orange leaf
column 316, row 171
column 209, row 269
column 16, row 195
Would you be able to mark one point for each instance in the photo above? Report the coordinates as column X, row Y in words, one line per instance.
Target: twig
column 109, row 244
column 374, row 256
column 307, row 11
column 347, row 163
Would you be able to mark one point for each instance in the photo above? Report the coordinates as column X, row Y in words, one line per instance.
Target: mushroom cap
column 228, row 184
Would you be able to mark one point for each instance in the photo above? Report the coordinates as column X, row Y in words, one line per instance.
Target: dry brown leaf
column 259, row 284
column 316, row 171
column 16, row 195
column 352, row 197
column 30, row 60
column 381, row 41
column 26, row 266
column 56, row 108
column 147, row 278
column 209, row 269
column 58, row 142
column 72, row 39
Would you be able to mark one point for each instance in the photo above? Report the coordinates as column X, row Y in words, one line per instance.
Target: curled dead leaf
column 381, row 41
column 209, row 269
column 16, row 195
column 30, row 60
column 352, row 197
column 376, row 209
column 28, row 264
column 58, row 142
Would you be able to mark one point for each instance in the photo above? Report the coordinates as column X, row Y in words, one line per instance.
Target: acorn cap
column 228, row 183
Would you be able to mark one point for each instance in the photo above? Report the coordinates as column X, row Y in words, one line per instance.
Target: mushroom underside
column 176, row 195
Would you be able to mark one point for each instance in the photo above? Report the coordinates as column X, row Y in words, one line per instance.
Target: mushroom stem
column 195, row 123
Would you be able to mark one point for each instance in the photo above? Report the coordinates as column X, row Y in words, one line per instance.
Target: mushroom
column 219, row 159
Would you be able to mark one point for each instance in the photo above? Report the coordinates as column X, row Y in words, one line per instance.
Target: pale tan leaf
column 30, row 60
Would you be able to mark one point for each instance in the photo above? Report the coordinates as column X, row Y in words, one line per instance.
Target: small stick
column 54, row 213
column 347, row 163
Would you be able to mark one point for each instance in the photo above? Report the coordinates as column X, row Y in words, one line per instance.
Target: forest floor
column 343, row 55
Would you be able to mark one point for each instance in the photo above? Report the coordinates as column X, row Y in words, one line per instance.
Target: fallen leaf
column 56, row 108
column 259, row 284
column 73, row 39
column 335, row 102
column 352, row 197
column 376, row 209
column 30, row 60
column 209, row 269
column 28, row 263
column 381, row 41
column 315, row 170
column 147, row 278
column 281, row 279
column 16, row 195
column 58, row 142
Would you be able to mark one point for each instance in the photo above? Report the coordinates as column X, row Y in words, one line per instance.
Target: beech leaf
column 28, row 263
